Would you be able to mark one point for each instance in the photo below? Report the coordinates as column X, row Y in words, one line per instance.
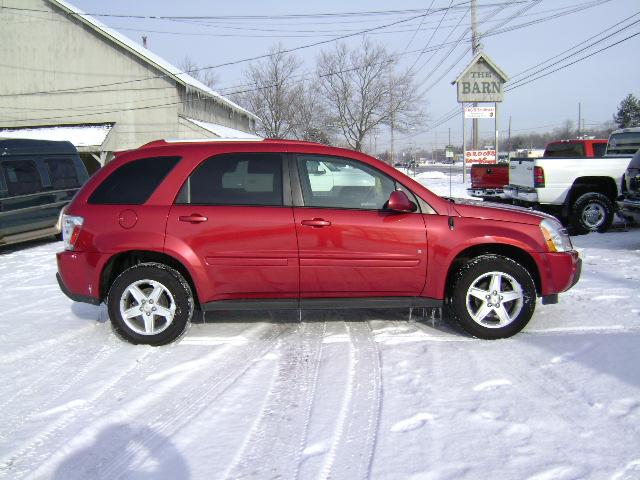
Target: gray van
column 37, row 179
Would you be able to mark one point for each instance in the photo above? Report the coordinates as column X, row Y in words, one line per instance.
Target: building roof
column 146, row 55
column 83, row 135
column 221, row 131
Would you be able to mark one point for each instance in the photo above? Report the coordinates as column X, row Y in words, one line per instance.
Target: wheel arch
column 581, row 185
column 509, row 251
column 119, row 262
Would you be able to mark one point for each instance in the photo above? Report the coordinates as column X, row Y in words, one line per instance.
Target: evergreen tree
column 628, row 112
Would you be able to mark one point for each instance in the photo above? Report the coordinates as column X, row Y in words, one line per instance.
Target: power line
column 259, row 57
column 512, row 84
column 574, row 62
column 247, row 17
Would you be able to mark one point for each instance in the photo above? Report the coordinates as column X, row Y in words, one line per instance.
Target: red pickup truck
column 487, row 180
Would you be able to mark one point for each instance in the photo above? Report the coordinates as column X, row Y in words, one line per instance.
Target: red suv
column 273, row 224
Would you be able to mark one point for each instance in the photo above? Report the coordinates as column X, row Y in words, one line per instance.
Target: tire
column 161, row 295
column 591, row 212
column 488, row 318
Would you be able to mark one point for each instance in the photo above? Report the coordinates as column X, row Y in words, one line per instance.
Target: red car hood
column 499, row 212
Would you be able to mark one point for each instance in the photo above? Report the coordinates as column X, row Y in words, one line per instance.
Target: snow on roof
column 147, row 55
column 222, row 131
column 91, row 135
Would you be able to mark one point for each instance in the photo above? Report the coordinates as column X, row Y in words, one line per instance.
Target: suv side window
column 134, row 182
column 235, row 179
column 332, row 182
column 599, row 149
column 62, row 173
column 22, row 177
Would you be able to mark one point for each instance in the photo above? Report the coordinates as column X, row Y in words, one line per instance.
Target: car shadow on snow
column 15, row 247
column 613, row 354
column 123, row 450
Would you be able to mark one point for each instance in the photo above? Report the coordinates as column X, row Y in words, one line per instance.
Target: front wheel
column 592, row 212
column 150, row 303
column 492, row 297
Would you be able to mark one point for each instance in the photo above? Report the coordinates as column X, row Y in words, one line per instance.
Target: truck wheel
column 492, row 297
column 150, row 303
column 591, row 212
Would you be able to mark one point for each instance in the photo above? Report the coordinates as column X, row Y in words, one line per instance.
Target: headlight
column 555, row 236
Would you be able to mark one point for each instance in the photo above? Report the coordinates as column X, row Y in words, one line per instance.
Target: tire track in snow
column 31, row 460
column 351, row 452
column 169, row 418
column 41, row 370
column 16, row 421
column 273, row 448
column 49, row 344
column 39, row 449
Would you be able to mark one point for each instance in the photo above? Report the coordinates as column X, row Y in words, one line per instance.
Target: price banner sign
column 479, row 112
column 448, row 151
column 479, row 156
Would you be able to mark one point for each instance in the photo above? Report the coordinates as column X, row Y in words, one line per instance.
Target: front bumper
column 523, row 194
column 559, row 272
column 629, row 207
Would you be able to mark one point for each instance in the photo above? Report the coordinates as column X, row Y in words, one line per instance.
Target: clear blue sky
column 599, row 83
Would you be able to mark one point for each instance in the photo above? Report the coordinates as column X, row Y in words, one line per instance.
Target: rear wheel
column 150, row 303
column 592, row 212
column 492, row 297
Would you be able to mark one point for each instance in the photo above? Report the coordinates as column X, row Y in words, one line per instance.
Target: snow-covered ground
column 341, row 395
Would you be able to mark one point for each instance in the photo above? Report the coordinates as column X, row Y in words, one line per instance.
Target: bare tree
column 311, row 117
column 362, row 92
column 274, row 93
column 207, row 77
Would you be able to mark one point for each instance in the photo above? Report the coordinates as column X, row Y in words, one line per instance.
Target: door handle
column 316, row 222
column 193, row 218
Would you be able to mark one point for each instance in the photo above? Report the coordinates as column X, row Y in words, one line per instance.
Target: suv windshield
column 625, row 143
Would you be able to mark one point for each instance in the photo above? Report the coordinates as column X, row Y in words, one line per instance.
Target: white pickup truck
column 580, row 191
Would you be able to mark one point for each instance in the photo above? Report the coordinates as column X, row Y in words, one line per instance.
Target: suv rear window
column 565, row 150
column 235, row 179
column 134, row 182
column 626, row 143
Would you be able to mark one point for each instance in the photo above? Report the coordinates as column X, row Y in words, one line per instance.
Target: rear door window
column 22, row 177
column 235, row 179
column 62, row 173
column 134, row 182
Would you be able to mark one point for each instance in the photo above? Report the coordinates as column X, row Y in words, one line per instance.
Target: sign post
column 481, row 82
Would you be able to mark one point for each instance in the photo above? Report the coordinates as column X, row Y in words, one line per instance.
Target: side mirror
column 399, row 202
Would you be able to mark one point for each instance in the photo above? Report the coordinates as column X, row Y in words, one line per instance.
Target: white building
column 65, row 75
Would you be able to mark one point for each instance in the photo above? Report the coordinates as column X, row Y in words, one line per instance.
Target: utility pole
column 393, row 116
column 579, row 119
column 509, row 151
column 475, row 47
